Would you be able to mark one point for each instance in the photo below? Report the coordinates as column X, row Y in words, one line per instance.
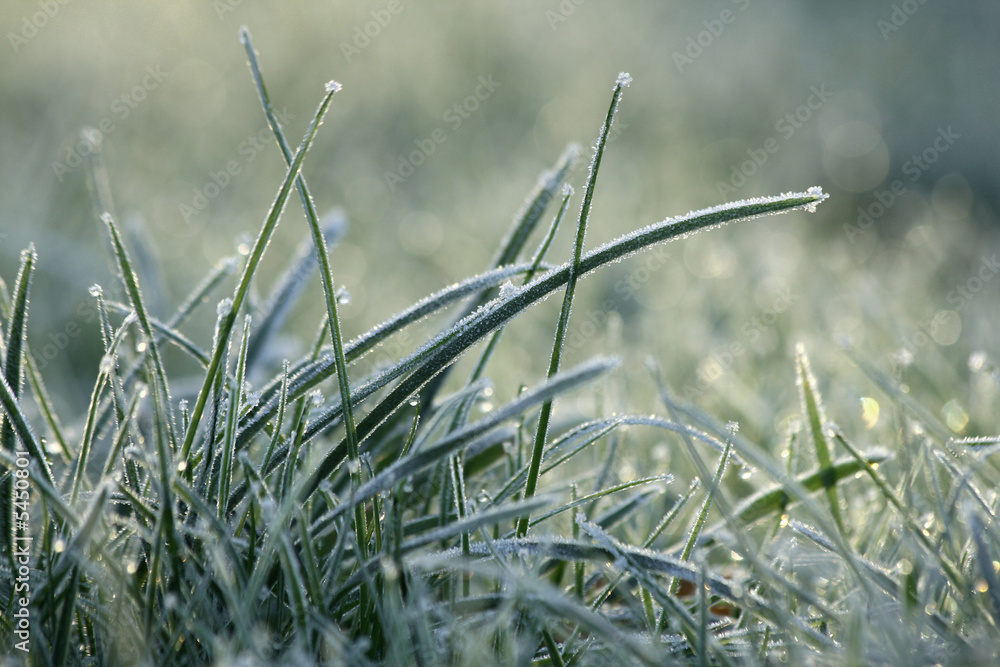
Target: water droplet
column 746, row 472
column 414, row 402
column 343, row 296
column 977, row 360
column 96, row 291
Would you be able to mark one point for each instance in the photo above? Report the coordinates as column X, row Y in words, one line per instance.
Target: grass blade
column 256, row 253
column 812, row 409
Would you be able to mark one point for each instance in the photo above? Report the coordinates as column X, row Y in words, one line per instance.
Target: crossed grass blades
column 261, row 521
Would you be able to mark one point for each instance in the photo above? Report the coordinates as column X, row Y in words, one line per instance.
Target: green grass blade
column 812, row 411
column 161, row 392
column 228, row 453
column 542, row 429
column 13, row 373
column 253, row 261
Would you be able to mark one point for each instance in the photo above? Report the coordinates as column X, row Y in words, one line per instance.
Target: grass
column 315, row 514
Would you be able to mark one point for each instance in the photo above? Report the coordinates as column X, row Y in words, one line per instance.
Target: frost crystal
column 333, row 87
column 96, row 291
column 508, row 289
column 624, row 79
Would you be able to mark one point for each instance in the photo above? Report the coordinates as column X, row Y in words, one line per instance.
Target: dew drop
column 343, row 296
column 977, row 360
column 96, row 291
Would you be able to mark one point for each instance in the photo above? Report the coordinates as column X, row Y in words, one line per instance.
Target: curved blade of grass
column 256, row 253
column 542, row 429
column 13, row 373
column 812, row 410
column 448, row 346
column 161, row 392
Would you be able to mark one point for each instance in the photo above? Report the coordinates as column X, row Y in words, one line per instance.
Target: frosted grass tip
column 815, row 191
column 624, row 79
column 333, row 86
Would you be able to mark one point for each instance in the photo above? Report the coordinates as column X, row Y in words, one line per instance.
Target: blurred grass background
column 713, row 83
